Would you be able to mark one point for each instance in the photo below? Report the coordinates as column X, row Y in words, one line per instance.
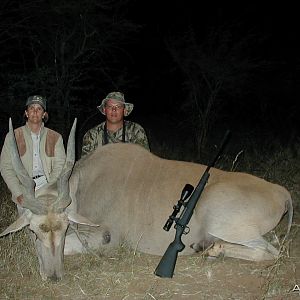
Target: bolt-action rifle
column 167, row 263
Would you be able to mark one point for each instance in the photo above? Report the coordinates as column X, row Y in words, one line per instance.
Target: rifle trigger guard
column 186, row 230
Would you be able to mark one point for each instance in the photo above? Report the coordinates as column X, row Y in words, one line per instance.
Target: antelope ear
column 17, row 225
column 76, row 218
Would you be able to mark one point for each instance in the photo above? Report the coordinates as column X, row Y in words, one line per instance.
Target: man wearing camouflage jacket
column 115, row 129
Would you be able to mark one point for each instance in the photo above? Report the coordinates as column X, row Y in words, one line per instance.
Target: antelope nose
column 54, row 278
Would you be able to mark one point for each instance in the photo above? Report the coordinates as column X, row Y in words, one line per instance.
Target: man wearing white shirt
column 41, row 150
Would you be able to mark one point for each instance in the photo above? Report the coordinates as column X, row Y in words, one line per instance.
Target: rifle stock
column 167, row 263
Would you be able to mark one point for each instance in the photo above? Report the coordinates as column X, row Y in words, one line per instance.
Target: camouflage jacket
column 134, row 133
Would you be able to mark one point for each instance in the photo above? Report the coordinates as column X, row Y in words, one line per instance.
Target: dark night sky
column 277, row 24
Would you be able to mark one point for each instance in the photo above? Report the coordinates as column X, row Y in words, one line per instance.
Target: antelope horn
column 27, row 182
column 64, row 199
column 18, row 166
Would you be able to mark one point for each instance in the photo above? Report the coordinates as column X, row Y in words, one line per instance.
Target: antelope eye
column 44, row 227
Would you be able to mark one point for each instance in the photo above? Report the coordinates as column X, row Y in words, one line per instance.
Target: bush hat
column 119, row 97
column 37, row 99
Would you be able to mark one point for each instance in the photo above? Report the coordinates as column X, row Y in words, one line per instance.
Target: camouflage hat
column 37, row 99
column 119, row 97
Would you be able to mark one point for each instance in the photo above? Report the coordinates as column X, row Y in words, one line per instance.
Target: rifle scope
column 186, row 192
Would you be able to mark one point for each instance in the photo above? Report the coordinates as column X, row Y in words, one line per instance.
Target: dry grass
column 127, row 274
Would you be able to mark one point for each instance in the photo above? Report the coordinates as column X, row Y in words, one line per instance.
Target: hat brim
column 128, row 107
column 36, row 102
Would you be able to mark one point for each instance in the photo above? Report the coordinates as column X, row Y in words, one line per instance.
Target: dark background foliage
column 191, row 71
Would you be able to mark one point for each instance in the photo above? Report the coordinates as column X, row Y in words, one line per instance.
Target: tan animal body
column 122, row 192
column 130, row 193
